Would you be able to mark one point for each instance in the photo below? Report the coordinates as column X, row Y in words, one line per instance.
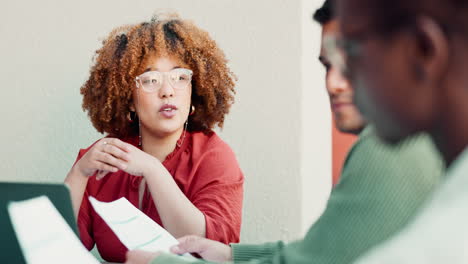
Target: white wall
column 278, row 127
column 316, row 134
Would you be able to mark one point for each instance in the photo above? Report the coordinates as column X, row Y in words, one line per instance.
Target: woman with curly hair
column 157, row 89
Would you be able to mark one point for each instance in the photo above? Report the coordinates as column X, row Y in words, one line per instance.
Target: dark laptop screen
column 58, row 194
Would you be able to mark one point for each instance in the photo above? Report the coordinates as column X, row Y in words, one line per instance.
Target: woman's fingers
column 108, row 155
column 106, row 162
column 110, row 160
column 106, row 167
column 116, row 148
column 117, row 143
column 100, row 174
column 116, row 152
column 103, row 169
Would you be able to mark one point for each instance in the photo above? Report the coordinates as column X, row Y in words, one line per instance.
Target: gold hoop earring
column 192, row 110
column 131, row 116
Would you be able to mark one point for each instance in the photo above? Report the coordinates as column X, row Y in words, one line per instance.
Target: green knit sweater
column 381, row 189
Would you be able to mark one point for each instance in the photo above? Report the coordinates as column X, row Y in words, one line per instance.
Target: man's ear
column 431, row 50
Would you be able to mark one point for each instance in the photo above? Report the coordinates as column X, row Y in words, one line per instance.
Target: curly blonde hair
column 107, row 94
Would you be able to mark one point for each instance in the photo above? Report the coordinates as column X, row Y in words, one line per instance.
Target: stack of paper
column 134, row 229
column 43, row 234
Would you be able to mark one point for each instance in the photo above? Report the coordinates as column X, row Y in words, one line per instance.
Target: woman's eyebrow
column 155, row 69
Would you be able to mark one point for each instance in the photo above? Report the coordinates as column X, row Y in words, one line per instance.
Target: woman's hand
column 107, row 155
column 138, row 162
column 111, row 155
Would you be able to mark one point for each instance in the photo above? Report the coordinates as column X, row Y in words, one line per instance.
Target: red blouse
column 205, row 169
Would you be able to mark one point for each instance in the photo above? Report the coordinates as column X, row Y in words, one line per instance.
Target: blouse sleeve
column 84, row 221
column 219, row 193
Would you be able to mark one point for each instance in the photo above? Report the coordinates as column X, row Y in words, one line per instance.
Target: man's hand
column 208, row 249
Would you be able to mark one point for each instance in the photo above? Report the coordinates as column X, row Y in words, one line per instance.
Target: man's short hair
column 324, row 14
column 389, row 16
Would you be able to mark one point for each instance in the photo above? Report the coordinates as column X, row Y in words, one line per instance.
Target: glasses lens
column 151, row 81
column 180, row 78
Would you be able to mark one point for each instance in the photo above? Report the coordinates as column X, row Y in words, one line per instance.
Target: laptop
column 58, row 194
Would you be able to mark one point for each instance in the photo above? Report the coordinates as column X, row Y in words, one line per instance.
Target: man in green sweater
column 380, row 190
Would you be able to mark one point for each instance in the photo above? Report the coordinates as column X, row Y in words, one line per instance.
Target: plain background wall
column 279, row 127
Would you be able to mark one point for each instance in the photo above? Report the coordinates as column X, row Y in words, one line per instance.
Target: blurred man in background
column 407, row 61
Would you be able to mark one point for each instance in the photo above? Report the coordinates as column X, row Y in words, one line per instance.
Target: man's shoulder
column 414, row 149
column 373, row 158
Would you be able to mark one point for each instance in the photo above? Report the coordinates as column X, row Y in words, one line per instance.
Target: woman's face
column 163, row 110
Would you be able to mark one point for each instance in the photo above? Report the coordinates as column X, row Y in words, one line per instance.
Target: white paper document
column 43, row 234
column 134, row 228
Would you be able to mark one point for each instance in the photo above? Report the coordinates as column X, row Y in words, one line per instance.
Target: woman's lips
column 168, row 110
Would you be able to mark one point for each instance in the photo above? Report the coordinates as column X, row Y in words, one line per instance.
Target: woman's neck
column 159, row 146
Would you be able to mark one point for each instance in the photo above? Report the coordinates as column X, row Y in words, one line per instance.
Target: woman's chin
column 166, row 131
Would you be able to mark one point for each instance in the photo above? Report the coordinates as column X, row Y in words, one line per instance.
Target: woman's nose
column 166, row 89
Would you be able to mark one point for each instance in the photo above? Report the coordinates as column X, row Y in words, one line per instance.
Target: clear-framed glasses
column 152, row 81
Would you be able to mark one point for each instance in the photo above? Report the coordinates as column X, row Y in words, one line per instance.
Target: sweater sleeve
column 382, row 188
column 218, row 193
column 245, row 252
